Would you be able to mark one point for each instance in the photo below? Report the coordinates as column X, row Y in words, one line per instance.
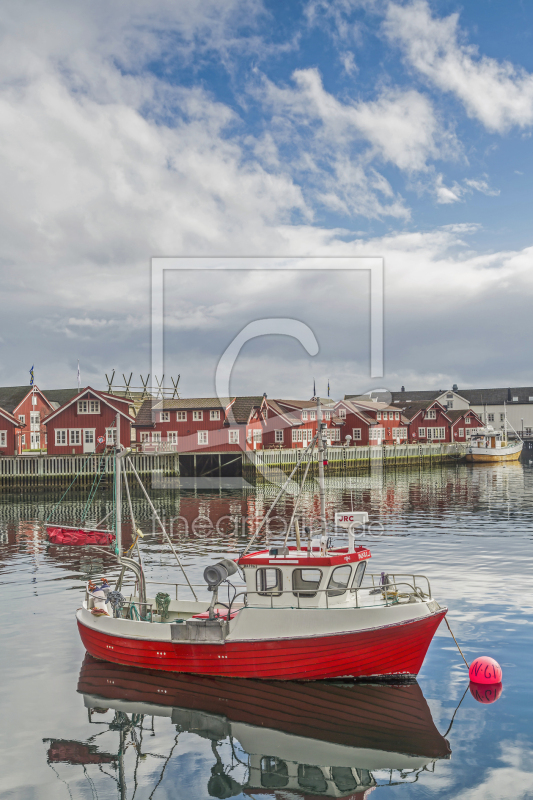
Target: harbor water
column 76, row 728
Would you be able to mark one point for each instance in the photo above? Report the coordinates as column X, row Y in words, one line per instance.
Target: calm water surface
column 469, row 528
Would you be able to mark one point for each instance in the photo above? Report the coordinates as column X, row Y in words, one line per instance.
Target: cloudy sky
column 319, row 128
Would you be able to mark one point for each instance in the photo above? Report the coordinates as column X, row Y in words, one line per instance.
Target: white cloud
column 498, row 94
column 482, row 186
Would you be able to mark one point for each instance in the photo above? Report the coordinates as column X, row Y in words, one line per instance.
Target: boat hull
column 387, row 652
column 492, row 454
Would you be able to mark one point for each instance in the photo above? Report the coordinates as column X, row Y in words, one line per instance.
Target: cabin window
column 164, row 416
column 234, row 436
column 344, row 779
column 258, row 436
column 249, row 436
column 156, row 437
column 214, row 415
column 3, row 438
column 75, row 436
column 356, row 434
column 304, row 414
column 332, row 435
column 202, row 437
column 359, row 575
column 197, row 416
column 436, row 433
column 22, row 418
column 34, row 400
column 181, row 416
column 305, row 582
column 274, row 773
column 338, row 583
column 279, row 437
column 311, row 779
column 172, row 437
column 269, row 580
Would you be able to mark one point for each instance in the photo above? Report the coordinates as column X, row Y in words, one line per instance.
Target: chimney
column 455, row 388
column 403, row 388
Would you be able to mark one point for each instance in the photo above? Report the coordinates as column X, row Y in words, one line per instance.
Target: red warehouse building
column 10, row 431
column 199, row 424
column 289, row 424
column 33, row 409
column 370, row 422
column 463, row 424
column 430, row 421
column 87, row 423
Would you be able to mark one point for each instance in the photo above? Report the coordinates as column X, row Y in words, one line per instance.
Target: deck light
column 215, row 574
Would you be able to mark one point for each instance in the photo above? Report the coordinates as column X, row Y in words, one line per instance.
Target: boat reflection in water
column 319, row 739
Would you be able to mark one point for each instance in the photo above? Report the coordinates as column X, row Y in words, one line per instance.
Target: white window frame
column 233, row 435
column 399, row 433
column 156, row 437
column 3, row 438
column 258, row 435
column 515, row 400
column 396, row 415
column 34, row 400
column 327, row 414
column 94, row 406
column 461, row 433
column 490, row 417
column 61, row 437
column 467, row 420
column 83, row 406
column 377, row 434
column 295, row 434
column 304, row 414
column 74, row 437
column 22, row 418
column 431, row 414
column 181, row 416
column 421, row 433
column 35, row 418
column 249, row 436
column 278, row 436
column 164, row 416
column 22, row 440
column 110, row 436
column 214, row 416
column 197, row 416
column 436, row 434
column 203, row 436
column 172, row 437
column 378, row 415
column 356, row 434
column 332, row 435
column 342, row 413
column 312, row 415
column 144, row 437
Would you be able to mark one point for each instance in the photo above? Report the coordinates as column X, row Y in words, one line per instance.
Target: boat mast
column 321, row 486
column 118, row 489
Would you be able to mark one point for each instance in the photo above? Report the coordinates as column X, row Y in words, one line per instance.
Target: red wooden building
column 289, row 424
column 87, row 423
column 193, row 425
column 10, row 431
column 464, row 422
column 371, row 423
column 33, row 409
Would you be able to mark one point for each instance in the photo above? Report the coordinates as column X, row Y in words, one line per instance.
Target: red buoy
column 485, row 693
column 485, row 670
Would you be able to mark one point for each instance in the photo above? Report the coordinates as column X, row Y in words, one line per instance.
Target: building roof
column 456, row 413
column 103, row 396
column 12, row 396
column 497, row 397
column 58, row 397
column 418, row 396
column 10, row 418
column 242, row 408
column 412, row 409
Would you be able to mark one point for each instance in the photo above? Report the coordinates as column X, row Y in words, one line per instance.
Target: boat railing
column 395, row 575
column 391, row 594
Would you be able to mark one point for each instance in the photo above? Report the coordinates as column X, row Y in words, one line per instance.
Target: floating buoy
column 485, row 670
column 485, row 693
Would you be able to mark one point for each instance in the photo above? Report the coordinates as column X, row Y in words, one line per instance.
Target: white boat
column 489, row 445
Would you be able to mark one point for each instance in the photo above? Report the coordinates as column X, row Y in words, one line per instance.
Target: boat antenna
column 297, row 501
column 118, row 489
column 321, row 485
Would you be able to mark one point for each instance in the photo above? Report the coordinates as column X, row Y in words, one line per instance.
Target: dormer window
column 431, row 414
column 342, row 413
column 515, row 399
column 88, row 406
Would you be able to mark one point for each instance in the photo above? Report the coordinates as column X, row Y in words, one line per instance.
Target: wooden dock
column 42, row 471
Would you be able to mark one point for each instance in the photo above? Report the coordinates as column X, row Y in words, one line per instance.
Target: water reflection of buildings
column 286, row 739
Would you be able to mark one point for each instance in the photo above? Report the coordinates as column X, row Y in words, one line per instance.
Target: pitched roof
column 10, row 418
column 107, row 399
column 58, row 397
column 412, row 409
column 12, row 396
column 498, row 397
column 415, row 397
column 456, row 413
column 242, row 407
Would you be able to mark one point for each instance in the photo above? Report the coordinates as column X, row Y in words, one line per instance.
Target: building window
column 213, row 415
column 172, row 437
column 377, row 433
column 22, row 418
column 181, row 416
column 110, row 435
column 431, row 414
column 258, row 435
column 461, row 433
column 449, row 404
column 528, row 431
column 234, row 436
column 61, row 437
column 515, row 399
column 304, row 414
column 422, row 433
column 145, row 436
column 436, row 433
column 491, row 417
column 396, row 415
column 83, row 406
column 502, row 417
column 3, row 438
column 332, row 435
column 327, row 414
column 278, row 437
column 356, row 432
column 202, row 435
column 295, row 434
column 312, row 415
column 467, row 420
column 94, row 406
column 342, row 413
column 399, row 433
column 156, row 437
column 164, row 416
column 197, row 416
column 23, row 440
column 74, row 436
column 378, row 415
column 34, row 400
column 88, row 406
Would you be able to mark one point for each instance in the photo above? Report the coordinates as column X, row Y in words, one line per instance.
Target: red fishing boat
column 304, row 612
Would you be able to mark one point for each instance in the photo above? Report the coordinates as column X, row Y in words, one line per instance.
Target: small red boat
column 78, row 537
